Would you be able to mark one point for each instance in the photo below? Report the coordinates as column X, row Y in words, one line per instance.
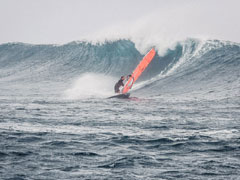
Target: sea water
column 182, row 120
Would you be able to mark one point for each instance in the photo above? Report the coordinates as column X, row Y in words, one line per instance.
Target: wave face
column 192, row 64
column 51, row 62
column 212, row 66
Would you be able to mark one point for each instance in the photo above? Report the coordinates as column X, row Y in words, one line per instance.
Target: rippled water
column 165, row 137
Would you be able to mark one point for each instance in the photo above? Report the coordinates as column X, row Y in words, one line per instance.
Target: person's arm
column 128, row 76
column 122, row 83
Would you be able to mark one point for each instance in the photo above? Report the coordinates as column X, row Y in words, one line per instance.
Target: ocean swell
column 191, row 64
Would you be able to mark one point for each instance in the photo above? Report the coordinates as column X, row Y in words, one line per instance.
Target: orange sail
column 139, row 69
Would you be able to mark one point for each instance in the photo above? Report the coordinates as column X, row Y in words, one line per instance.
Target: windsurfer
column 120, row 83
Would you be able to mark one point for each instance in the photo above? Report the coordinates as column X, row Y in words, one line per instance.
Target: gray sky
column 62, row 21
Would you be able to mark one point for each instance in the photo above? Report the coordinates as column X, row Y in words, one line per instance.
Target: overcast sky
column 62, row 21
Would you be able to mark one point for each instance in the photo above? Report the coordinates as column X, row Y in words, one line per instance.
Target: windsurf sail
column 139, row 69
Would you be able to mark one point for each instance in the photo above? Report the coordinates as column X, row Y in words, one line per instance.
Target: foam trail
column 90, row 85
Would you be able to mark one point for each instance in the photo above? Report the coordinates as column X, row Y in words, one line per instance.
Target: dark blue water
column 181, row 122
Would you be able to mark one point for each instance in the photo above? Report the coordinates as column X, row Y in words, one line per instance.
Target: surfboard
column 121, row 96
column 138, row 70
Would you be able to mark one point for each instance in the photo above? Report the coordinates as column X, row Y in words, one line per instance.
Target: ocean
column 182, row 120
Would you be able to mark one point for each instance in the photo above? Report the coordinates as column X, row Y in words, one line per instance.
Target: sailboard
column 120, row 96
column 138, row 70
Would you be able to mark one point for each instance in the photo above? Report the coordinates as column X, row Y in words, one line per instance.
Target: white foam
column 90, row 85
column 164, row 27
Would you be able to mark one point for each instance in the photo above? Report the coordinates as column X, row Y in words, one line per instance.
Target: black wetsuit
column 118, row 85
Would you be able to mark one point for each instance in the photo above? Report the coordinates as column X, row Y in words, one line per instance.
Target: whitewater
column 181, row 122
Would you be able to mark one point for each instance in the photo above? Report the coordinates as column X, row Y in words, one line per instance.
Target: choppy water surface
column 182, row 121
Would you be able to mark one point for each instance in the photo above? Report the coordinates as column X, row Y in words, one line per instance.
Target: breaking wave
column 192, row 64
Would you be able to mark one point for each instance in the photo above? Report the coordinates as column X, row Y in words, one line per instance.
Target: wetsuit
column 118, row 85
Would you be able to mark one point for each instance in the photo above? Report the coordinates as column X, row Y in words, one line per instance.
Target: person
column 120, row 83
